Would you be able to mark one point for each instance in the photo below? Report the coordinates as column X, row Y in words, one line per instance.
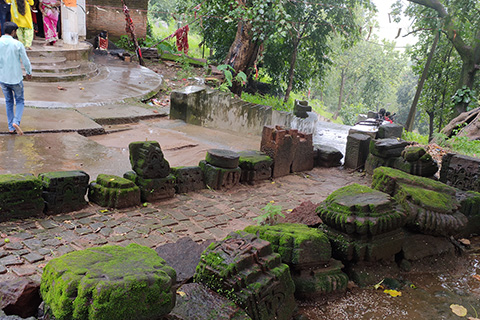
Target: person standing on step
column 22, row 16
column 11, row 76
column 49, row 9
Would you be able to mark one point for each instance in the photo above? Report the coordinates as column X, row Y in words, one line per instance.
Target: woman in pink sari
column 49, row 9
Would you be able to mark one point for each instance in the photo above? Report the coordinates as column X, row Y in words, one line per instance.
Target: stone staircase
column 61, row 63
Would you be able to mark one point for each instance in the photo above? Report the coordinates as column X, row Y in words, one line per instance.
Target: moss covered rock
column 64, row 191
column 297, row 244
column 313, row 283
column 382, row 247
column 431, row 206
column 156, row 189
column 357, row 209
column 255, row 166
column 243, row 268
column 114, row 192
column 109, row 283
column 147, row 160
column 20, row 196
column 388, row 179
column 188, row 179
column 220, row 178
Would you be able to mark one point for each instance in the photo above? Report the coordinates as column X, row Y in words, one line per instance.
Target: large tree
column 459, row 21
column 287, row 30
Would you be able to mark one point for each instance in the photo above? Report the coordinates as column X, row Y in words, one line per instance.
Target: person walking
column 11, row 76
column 22, row 16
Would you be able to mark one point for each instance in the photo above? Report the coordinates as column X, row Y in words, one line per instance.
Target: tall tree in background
column 459, row 20
column 289, row 30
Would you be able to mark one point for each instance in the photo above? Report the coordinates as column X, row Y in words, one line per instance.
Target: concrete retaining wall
column 210, row 108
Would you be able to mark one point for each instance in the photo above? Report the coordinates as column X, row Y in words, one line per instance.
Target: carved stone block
column 312, row 283
column 387, row 148
column 390, row 130
column 114, row 192
column 382, row 247
column 431, row 206
column 298, row 245
column 255, row 166
column 243, row 268
column 156, row 189
column 280, row 145
column 357, row 150
column 20, row 196
column 64, row 191
column 188, row 179
column 461, row 172
column 303, row 159
column 220, row 178
column 360, row 210
column 147, row 160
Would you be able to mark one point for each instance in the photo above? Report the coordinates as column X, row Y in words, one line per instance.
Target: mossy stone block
column 297, row 244
column 222, row 158
column 382, row 247
column 313, row 283
column 357, row 209
column 429, row 211
column 109, row 283
column 188, row 179
column 114, row 192
column 220, row 178
column 387, row 148
column 156, row 189
column 387, row 179
column 147, row 160
column 255, row 166
column 20, row 196
column 413, row 153
column 64, row 191
column 243, row 268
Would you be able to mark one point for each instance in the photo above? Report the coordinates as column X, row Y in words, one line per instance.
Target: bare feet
column 18, row 129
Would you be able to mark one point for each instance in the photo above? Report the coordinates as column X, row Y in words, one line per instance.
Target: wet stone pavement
column 27, row 245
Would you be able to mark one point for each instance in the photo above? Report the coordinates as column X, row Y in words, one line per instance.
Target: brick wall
column 108, row 15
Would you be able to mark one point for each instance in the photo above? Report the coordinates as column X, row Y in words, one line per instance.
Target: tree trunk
column 431, row 115
column 470, row 55
column 340, row 95
column 291, row 70
column 242, row 54
column 413, row 108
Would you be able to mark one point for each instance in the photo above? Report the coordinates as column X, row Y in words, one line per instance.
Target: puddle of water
column 431, row 299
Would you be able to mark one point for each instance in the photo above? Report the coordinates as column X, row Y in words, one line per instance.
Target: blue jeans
column 10, row 91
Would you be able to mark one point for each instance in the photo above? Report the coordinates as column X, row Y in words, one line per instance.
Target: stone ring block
column 357, row 209
column 222, row 158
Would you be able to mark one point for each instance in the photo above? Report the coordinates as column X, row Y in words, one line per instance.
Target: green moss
column 296, row 243
column 386, row 180
column 471, row 204
column 109, row 282
column 427, row 199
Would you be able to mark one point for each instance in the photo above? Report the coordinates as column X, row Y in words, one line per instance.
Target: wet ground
column 52, row 143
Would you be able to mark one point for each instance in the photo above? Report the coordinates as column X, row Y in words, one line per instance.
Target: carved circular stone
column 357, row 209
column 222, row 158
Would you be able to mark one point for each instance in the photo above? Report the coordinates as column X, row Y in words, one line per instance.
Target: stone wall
column 210, row 108
column 108, row 15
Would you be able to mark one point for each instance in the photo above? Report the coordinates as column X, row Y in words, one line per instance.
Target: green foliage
column 414, row 136
column 270, row 215
column 459, row 144
column 465, row 96
column 228, row 71
column 349, row 113
column 267, row 100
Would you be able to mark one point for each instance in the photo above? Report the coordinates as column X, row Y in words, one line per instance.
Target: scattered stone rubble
column 250, row 274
